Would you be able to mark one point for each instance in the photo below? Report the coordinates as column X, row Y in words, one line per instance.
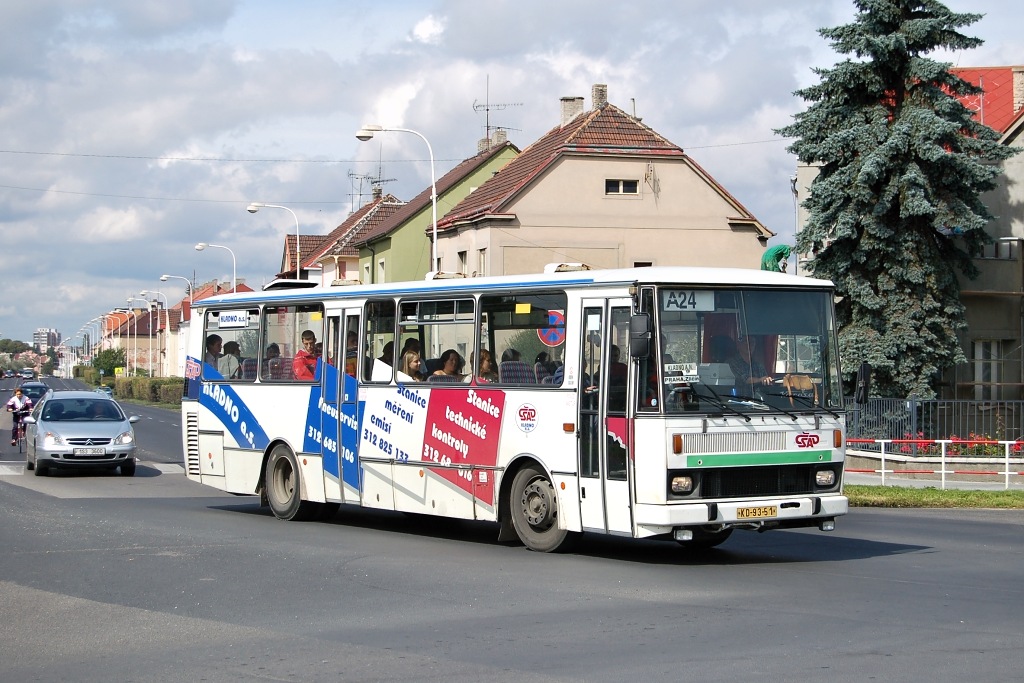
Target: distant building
column 43, row 339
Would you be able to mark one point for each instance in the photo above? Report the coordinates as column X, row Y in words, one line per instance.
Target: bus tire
column 703, row 539
column 284, row 491
column 533, row 506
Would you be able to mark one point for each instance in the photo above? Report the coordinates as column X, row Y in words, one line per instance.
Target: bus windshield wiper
column 718, row 400
column 760, row 404
column 810, row 403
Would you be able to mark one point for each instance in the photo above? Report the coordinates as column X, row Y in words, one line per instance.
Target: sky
column 130, row 130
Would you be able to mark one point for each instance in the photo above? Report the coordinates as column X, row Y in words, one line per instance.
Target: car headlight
column 52, row 440
column 681, row 484
column 124, row 439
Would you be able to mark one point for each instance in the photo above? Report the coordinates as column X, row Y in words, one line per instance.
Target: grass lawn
column 899, row 497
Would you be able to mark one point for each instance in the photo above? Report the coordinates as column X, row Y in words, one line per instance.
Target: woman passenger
column 486, row 372
column 451, row 365
column 412, row 365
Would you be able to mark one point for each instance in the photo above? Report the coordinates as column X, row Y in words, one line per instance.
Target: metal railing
column 944, row 449
column 916, row 419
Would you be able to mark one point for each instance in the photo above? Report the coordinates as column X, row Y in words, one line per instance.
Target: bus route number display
column 687, row 300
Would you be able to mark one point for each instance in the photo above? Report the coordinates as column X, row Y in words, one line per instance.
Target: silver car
column 79, row 430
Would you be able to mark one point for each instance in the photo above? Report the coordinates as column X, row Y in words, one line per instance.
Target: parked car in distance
column 27, row 373
column 79, row 430
column 105, row 390
column 34, row 390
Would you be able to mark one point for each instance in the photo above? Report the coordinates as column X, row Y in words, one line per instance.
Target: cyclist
column 21, row 406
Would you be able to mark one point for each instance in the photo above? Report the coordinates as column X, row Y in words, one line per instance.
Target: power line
column 155, row 199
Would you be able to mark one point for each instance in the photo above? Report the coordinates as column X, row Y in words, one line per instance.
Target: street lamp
column 163, row 327
column 256, row 206
column 136, row 315
column 165, row 278
column 204, row 245
column 366, row 132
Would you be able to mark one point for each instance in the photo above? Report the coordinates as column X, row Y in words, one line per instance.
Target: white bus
column 675, row 403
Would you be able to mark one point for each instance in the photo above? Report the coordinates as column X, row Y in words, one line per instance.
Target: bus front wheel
column 284, row 493
column 534, row 509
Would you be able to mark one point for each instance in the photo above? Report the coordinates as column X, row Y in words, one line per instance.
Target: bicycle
column 19, row 415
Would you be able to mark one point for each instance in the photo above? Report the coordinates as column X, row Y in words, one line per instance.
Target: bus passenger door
column 604, row 433
column 348, row 402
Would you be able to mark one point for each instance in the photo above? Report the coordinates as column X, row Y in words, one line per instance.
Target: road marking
column 8, row 469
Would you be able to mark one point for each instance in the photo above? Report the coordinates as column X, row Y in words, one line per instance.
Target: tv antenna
column 356, row 180
column 487, row 106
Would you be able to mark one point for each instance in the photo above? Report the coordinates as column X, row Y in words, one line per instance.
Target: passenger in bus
column 271, row 361
column 213, row 346
column 745, row 363
column 485, row 372
column 411, row 344
column 351, row 344
column 230, row 364
column 542, row 367
column 304, row 363
column 412, row 365
column 451, row 367
column 387, row 354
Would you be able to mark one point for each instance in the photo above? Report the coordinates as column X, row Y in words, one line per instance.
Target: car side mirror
column 28, row 419
column 133, row 418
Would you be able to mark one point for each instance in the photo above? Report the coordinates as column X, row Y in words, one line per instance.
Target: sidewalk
column 989, row 483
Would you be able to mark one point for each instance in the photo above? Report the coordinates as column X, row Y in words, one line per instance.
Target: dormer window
column 614, row 186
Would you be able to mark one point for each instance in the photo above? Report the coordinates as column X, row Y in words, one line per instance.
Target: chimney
column 378, row 192
column 1018, row 88
column 482, row 144
column 599, row 95
column 499, row 138
column 571, row 108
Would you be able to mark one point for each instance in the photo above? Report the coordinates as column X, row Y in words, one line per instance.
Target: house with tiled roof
column 994, row 300
column 307, row 244
column 398, row 248
column 337, row 256
column 601, row 188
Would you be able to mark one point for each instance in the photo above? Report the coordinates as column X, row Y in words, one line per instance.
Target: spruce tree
column 895, row 211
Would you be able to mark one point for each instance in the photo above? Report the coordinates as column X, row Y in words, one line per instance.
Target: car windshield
column 81, row 409
column 34, row 392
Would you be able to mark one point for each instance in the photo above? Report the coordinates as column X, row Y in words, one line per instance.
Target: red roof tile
column 341, row 241
column 607, row 130
column 422, row 200
column 995, row 107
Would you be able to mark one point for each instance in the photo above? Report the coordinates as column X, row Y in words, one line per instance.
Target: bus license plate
column 757, row 512
column 90, row 451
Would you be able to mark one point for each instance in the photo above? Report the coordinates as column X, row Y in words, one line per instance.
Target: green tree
column 895, row 211
column 108, row 359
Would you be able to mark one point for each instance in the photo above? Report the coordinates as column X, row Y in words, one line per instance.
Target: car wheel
column 128, row 468
column 29, row 465
column 40, row 470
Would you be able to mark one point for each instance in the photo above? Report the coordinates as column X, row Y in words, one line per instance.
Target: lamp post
column 136, row 351
column 256, row 206
column 162, row 326
column 366, row 132
column 165, row 278
column 204, row 245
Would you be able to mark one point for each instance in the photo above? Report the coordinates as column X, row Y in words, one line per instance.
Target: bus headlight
column 681, row 484
column 825, row 478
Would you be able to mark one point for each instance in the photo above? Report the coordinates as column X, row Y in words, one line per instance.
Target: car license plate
column 90, row 451
column 757, row 512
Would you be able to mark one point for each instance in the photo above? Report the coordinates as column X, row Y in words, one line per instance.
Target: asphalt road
column 155, row 578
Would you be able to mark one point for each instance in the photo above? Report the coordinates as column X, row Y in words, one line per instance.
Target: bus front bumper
column 761, row 514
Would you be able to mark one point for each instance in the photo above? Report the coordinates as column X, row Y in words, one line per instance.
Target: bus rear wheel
column 533, row 505
column 284, row 492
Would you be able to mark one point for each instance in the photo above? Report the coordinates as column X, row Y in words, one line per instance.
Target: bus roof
column 675, row 275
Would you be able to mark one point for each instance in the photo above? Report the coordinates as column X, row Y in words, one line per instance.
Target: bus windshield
column 743, row 351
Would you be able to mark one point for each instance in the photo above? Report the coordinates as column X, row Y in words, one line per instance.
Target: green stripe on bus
column 733, row 459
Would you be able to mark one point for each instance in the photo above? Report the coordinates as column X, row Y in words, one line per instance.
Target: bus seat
column 435, row 379
column 249, row 368
column 516, row 372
